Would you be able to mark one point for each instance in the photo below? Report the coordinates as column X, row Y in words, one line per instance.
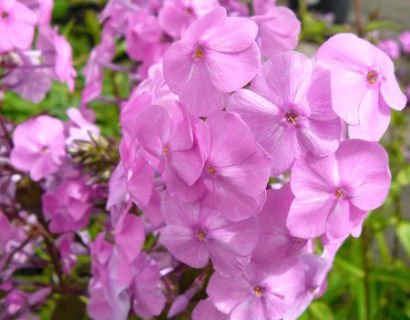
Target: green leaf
column 391, row 274
column 69, row 308
column 382, row 24
column 349, row 267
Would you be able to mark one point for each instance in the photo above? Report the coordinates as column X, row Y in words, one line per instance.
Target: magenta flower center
column 200, row 234
column 372, row 76
column 198, row 53
column 291, row 117
column 4, row 15
column 45, row 150
column 211, row 169
column 258, row 291
column 340, row 194
column 190, row 11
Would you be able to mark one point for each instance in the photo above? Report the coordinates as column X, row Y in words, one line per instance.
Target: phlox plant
column 242, row 163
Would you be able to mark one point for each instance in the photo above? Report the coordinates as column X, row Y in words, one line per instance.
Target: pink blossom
column 57, row 52
column 261, row 292
column 176, row 16
column 236, row 171
column 147, row 301
column 279, row 30
column 17, row 24
column 38, row 146
column 288, row 110
column 275, row 243
column 404, row 39
column 333, row 194
column 363, row 84
column 68, row 207
column 42, row 8
column 391, row 47
column 143, row 39
column 195, row 233
column 64, row 244
column 263, row 6
column 205, row 310
column 31, row 84
column 79, row 127
column 215, row 56
column 6, row 230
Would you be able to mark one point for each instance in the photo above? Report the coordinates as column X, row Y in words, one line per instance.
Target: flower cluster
column 238, row 157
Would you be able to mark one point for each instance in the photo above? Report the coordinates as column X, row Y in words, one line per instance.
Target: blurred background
column 371, row 276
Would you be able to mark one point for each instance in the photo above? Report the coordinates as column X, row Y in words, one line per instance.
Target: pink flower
column 57, row 52
column 206, row 310
column 275, row 243
column 236, row 171
column 279, row 30
column 17, row 24
column 6, row 231
column 215, row 56
column 147, row 301
column 263, row 6
column 69, row 207
column 79, row 127
column 65, row 245
column 316, row 269
column 38, row 147
column 176, row 16
column 42, row 8
column 334, row 193
column 288, row 110
column 28, row 81
column 363, row 84
column 143, row 38
column 168, row 136
column 261, row 292
column 391, row 47
column 404, row 39
column 195, row 233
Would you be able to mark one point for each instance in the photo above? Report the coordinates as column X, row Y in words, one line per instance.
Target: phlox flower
column 68, row 207
column 57, row 52
column 42, row 8
column 364, row 86
column 6, row 230
column 334, row 193
column 194, row 233
column 31, row 84
column 289, row 110
column 38, row 147
column 391, row 47
column 147, row 299
column 279, row 30
column 275, row 242
column 17, row 24
column 215, row 56
column 316, row 269
column 65, row 244
column 404, row 39
column 205, row 310
column 236, row 170
column 263, row 6
column 175, row 16
column 261, row 292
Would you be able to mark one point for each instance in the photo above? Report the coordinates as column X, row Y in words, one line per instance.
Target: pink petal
column 307, row 216
column 130, row 237
column 206, row 310
column 338, row 224
column 232, row 141
column 392, row 94
column 284, row 79
column 364, row 167
column 141, row 181
column 188, row 164
column 237, row 34
column 232, row 71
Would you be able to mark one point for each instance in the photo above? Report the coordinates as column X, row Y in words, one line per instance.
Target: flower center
column 4, row 15
column 211, row 169
column 258, row 291
column 45, row 150
column 190, row 11
column 339, row 193
column 291, row 117
column 372, row 76
column 198, row 53
column 166, row 150
column 200, row 234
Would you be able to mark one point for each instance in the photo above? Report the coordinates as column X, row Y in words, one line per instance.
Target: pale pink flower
column 364, row 86
column 334, row 193
column 289, row 110
column 215, row 56
column 39, row 147
column 17, row 24
column 391, row 47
